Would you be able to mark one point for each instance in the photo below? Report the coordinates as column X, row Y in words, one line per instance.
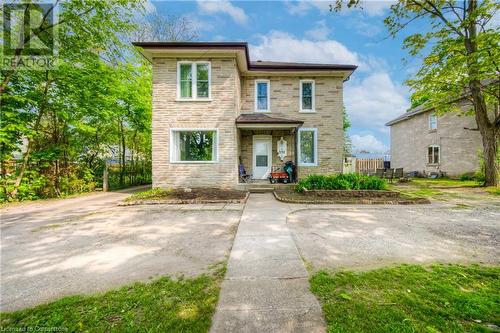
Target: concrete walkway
column 266, row 287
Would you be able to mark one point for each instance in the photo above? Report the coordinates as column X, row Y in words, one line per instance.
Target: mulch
column 196, row 196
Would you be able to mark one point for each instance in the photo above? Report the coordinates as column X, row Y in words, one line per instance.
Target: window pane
column 186, row 80
column 429, row 155
column 436, row 154
column 307, row 147
column 261, row 160
column 262, row 103
column 202, row 88
column 306, row 89
column 196, row 145
column 262, row 89
column 202, row 72
column 306, row 103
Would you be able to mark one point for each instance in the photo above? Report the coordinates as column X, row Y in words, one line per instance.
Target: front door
column 262, row 156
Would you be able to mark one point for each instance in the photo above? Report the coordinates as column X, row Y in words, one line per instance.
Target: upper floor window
column 262, row 100
column 307, row 96
column 193, row 80
column 433, row 122
column 308, row 150
column 433, row 154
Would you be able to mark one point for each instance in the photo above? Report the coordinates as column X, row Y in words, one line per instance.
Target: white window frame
column 313, row 102
column 172, row 130
column 439, row 155
column 268, row 95
column 433, row 115
column 194, row 87
column 315, row 130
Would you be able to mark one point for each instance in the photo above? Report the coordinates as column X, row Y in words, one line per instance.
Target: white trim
column 313, row 101
column 194, row 85
column 429, row 121
column 171, row 144
column 268, row 95
column 269, row 151
column 315, row 130
column 439, row 155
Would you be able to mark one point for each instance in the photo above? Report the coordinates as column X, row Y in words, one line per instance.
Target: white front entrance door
column 262, row 156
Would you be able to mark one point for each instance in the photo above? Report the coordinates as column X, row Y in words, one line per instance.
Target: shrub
column 467, row 176
column 348, row 181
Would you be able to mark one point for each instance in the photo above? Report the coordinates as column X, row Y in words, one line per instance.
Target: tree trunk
column 30, row 141
column 491, row 168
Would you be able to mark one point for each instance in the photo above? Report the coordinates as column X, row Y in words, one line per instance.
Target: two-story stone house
column 427, row 143
column 214, row 109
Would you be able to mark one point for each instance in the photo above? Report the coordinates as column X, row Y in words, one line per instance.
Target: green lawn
column 408, row 298
column 164, row 305
column 444, row 182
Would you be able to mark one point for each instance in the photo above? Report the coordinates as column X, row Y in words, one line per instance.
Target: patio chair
column 244, row 176
column 379, row 173
column 389, row 175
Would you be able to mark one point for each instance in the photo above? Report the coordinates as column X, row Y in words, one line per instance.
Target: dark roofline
column 252, row 66
column 251, row 118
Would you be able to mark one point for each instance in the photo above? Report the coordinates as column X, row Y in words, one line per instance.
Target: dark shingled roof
column 252, row 65
column 257, row 118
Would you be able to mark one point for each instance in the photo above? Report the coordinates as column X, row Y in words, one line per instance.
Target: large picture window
column 193, row 146
column 308, row 151
column 193, row 80
column 307, row 95
column 262, row 99
column 433, row 154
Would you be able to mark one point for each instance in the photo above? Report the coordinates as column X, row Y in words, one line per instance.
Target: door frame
column 270, row 153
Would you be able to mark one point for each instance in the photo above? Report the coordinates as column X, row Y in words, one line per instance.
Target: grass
column 205, row 194
column 152, row 194
column 444, row 182
column 164, row 305
column 493, row 190
column 410, row 298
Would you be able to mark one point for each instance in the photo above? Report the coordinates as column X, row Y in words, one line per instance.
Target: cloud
column 320, row 32
column 374, row 100
column 282, row 46
column 370, row 7
column 368, row 142
column 225, row 7
column 149, row 7
column 364, row 28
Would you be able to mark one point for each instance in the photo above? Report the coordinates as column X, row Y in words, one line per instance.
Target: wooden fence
column 369, row 164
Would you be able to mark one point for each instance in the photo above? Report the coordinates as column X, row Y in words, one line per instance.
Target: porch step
column 260, row 189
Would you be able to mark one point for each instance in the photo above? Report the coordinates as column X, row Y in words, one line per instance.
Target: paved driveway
column 88, row 244
column 365, row 237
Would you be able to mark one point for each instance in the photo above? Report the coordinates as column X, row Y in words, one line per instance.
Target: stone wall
column 284, row 98
column 218, row 113
column 459, row 147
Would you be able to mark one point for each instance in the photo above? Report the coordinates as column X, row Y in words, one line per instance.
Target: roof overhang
column 239, row 51
column 263, row 121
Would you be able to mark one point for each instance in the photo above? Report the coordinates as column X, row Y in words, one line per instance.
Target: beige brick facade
column 231, row 95
column 459, row 147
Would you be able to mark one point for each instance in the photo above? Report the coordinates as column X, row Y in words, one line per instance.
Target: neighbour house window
column 193, row 146
column 433, row 154
column 308, row 151
column 307, row 96
column 432, row 122
column 262, row 96
column 193, row 80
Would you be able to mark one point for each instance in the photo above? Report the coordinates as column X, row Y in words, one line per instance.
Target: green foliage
column 164, row 305
column 94, row 106
column 409, row 298
column 153, row 194
column 347, row 139
column 349, row 181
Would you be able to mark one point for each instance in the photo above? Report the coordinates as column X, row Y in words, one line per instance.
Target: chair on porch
column 244, row 177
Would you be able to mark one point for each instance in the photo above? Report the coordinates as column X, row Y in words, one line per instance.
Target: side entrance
column 262, row 156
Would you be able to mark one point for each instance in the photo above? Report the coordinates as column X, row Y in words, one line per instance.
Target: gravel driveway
column 88, row 244
column 366, row 237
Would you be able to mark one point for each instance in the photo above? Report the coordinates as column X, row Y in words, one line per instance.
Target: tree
column 347, row 139
column 461, row 56
column 157, row 28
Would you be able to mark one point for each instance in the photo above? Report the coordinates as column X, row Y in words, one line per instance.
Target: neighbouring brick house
column 424, row 142
column 214, row 109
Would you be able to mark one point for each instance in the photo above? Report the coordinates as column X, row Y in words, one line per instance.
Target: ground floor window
column 308, row 151
column 433, row 154
column 194, row 146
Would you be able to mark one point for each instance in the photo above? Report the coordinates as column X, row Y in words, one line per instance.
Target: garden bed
column 346, row 197
column 187, row 196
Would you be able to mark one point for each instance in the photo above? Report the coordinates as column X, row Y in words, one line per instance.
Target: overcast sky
column 306, row 31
